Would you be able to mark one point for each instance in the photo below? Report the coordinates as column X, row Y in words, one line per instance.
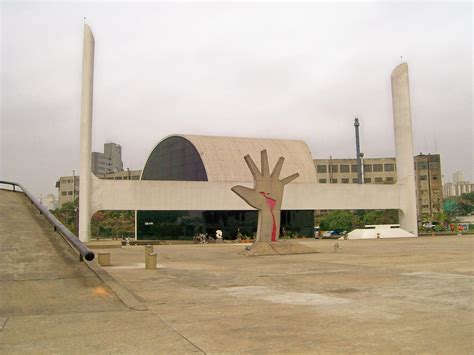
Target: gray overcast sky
column 277, row 70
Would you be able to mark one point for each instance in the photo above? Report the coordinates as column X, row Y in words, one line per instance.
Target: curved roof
column 223, row 157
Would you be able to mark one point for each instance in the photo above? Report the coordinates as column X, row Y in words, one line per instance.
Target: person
column 239, row 235
column 451, row 226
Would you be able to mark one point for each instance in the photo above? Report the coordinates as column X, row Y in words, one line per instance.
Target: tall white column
column 86, row 135
column 404, row 148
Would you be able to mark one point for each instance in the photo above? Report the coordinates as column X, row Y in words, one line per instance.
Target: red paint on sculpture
column 271, row 204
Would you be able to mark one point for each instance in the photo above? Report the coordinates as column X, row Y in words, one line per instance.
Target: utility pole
column 73, row 186
column 358, row 156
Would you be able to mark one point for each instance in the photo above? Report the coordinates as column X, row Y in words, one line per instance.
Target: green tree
column 465, row 205
column 380, row 217
column 450, row 206
column 441, row 217
column 115, row 224
column 338, row 220
column 97, row 226
column 459, row 205
column 469, row 196
column 67, row 215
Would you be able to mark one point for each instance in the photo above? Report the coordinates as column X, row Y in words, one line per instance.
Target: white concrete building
column 204, row 195
column 458, row 187
column 458, row 176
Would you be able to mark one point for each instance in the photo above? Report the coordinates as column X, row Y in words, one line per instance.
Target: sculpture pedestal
column 282, row 247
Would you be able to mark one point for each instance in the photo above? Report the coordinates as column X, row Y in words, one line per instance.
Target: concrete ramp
column 52, row 303
column 39, row 272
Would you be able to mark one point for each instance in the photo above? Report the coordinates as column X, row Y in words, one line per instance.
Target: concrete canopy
column 222, row 158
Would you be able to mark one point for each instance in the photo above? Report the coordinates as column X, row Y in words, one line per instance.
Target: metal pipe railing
column 70, row 238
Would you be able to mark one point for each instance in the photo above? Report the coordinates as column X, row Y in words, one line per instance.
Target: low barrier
column 71, row 239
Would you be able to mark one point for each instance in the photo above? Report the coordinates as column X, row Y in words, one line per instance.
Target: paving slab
column 410, row 295
column 129, row 332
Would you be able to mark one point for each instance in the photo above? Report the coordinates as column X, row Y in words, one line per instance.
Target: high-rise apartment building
column 108, row 161
column 114, row 153
column 384, row 171
column 429, row 187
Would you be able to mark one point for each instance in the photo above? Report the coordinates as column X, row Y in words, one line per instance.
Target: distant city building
column 344, row 171
column 384, row 171
column 429, row 187
column 458, row 176
column 109, row 161
column 114, row 153
column 68, row 189
column 66, row 192
column 458, row 187
column 50, row 201
column 451, row 189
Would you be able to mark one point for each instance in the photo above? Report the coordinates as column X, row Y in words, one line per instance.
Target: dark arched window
column 175, row 158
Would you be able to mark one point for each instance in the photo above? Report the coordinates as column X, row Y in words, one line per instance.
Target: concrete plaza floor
column 368, row 296
column 398, row 295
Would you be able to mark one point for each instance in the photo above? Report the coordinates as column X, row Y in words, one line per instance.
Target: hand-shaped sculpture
column 266, row 196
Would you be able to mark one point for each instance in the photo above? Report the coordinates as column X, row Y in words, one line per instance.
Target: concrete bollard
column 150, row 261
column 148, row 249
column 103, row 259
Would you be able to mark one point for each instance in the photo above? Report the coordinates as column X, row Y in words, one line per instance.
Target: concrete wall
column 199, row 196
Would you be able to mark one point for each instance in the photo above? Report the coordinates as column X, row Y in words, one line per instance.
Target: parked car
column 330, row 234
column 430, row 225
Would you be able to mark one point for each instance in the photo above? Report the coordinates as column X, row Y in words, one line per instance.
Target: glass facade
column 163, row 225
column 183, row 225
